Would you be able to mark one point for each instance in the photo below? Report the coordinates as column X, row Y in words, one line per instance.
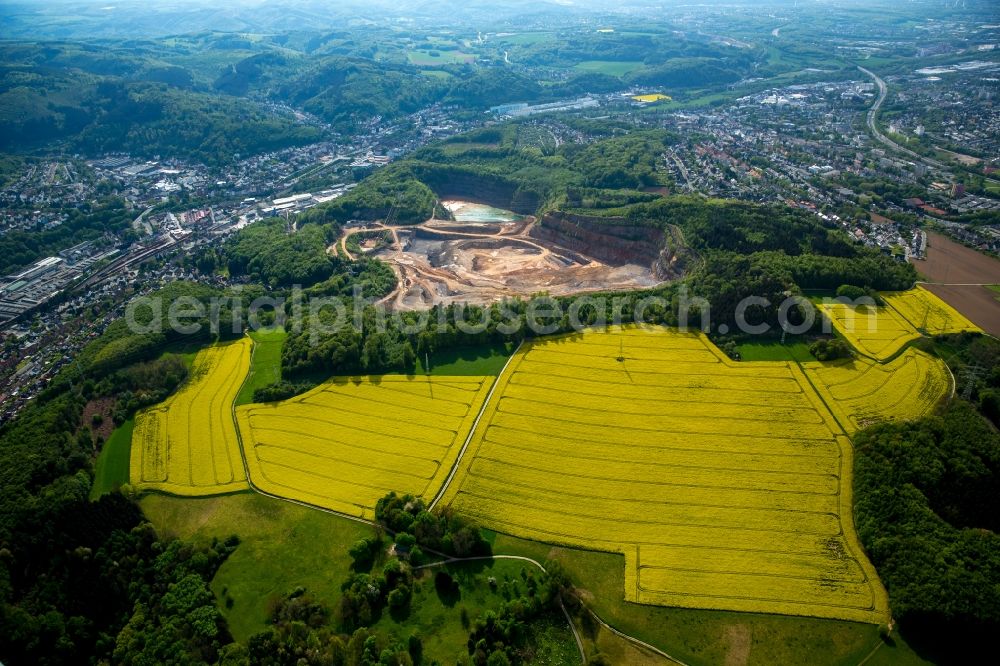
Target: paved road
column 882, row 138
column 687, row 177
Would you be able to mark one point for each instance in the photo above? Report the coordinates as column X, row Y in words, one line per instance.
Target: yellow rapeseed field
column 655, row 97
column 881, row 332
column 861, row 392
column 187, row 445
column 878, row 332
column 928, row 313
column 725, row 485
column 350, row 441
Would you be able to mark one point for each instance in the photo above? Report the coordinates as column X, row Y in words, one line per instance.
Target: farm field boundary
column 861, row 392
column 188, row 445
column 927, row 313
column 725, row 485
column 349, row 441
column 883, row 332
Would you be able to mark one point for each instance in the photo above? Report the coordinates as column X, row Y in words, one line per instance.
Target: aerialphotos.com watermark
column 322, row 317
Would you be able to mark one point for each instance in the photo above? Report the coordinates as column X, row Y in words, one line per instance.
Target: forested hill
column 927, row 502
column 205, row 95
column 96, row 114
column 610, row 180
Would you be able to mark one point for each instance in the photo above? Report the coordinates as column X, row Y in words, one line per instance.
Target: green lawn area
column 112, row 466
column 265, row 368
column 609, row 67
column 437, row 618
column 436, row 74
column 475, row 361
column 704, row 637
column 422, row 58
column 282, row 546
column 772, row 350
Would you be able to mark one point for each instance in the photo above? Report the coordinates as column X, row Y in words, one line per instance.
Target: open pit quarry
column 484, row 257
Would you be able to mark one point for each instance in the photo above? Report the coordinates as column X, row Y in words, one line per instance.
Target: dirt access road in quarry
column 477, row 261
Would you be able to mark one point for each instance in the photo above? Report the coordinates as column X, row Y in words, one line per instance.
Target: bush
column 399, row 597
column 830, row 350
column 850, row 291
column 364, row 553
column 989, row 404
column 278, row 391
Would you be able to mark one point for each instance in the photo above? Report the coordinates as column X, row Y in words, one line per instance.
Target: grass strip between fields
column 472, row 430
column 474, row 489
column 591, row 371
column 475, row 424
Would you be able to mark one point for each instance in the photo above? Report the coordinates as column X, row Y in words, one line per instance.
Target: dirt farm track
column 959, row 275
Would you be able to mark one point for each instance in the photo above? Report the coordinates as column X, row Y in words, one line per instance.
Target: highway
column 882, row 138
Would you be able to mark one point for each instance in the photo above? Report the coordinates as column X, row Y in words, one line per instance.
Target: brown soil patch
column 738, row 638
column 962, row 270
column 440, row 263
column 102, row 406
column 979, row 304
column 953, row 263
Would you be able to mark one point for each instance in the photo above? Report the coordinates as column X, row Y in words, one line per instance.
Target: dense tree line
column 868, row 269
column 266, row 252
column 975, row 363
column 139, row 385
column 626, row 162
column 302, row 633
column 441, row 531
column 502, row 638
column 125, row 342
column 830, row 350
column 97, row 114
column 392, row 344
column 926, row 504
column 391, row 189
column 80, row 580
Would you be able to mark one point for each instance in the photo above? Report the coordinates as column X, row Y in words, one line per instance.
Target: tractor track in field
column 472, row 431
column 446, row 558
